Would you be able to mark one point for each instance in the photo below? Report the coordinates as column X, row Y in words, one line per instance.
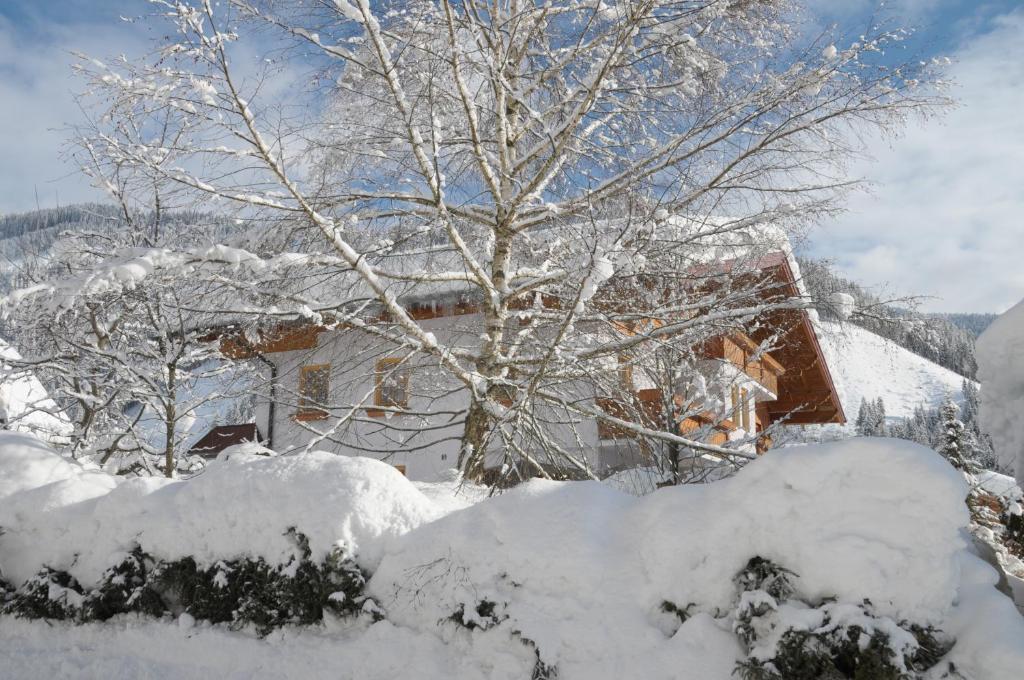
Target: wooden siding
column 740, row 351
column 284, row 338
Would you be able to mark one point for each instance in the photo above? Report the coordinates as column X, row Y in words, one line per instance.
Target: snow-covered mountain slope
column 867, row 365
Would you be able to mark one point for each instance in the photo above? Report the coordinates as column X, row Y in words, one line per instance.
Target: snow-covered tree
column 953, row 444
column 871, row 418
column 571, row 167
column 120, row 345
column 865, row 417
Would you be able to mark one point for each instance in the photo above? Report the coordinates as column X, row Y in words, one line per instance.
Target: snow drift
column 572, row 575
column 69, row 518
column 25, row 405
column 582, row 570
column 1000, row 352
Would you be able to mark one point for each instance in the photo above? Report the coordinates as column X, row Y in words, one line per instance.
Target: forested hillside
column 946, row 339
column 26, row 239
column 26, row 236
column 975, row 324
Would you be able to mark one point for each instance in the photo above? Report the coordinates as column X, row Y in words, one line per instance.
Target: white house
column 324, row 383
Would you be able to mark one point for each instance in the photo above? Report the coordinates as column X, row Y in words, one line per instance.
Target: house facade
column 346, row 391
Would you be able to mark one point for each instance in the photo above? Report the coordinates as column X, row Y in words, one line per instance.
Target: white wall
column 426, row 444
column 353, row 356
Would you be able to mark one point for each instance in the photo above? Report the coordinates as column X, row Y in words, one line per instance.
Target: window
column 505, row 393
column 314, row 391
column 392, row 388
column 625, row 373
column 616, row 409
column 745, row 410
column 736, row 406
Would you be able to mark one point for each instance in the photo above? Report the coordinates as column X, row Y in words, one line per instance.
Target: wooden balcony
column 742, row 352
column 648, row 405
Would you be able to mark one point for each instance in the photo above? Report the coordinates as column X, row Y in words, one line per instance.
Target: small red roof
column 223, row 436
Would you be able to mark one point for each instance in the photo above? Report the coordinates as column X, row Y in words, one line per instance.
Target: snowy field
column 568, row 576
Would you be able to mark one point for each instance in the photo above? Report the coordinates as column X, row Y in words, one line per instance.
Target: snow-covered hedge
column 57, row 513
column 846, row 559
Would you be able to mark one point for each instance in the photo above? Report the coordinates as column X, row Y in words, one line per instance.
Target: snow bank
column 24, row 404
column 582, row 570
column 1000, row 352
column 27, row 463
column 82, row 522
column 573, row 575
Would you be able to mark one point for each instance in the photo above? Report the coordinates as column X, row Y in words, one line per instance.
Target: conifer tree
column 878, row 426
column 863, row 417
column 953, row 444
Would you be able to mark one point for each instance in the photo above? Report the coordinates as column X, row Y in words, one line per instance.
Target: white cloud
column 946, row 217
column 36, row 87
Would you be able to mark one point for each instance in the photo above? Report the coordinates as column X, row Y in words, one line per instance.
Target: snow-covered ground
column 576, row 573
column 865, row 365
column 24, row 404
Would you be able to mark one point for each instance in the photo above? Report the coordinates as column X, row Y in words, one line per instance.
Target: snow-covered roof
column 25, row 405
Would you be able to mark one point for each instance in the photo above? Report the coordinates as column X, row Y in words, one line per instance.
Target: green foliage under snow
column 240, row 592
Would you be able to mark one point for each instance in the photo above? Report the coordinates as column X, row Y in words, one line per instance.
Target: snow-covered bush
column 251, row 591
column 788, row 639
column 254, row 539
column 851, row 557
column 50, row 594
column 124, row 587
column 599, row 580
column 27, row 463
column 55, row 512
column 244, row 591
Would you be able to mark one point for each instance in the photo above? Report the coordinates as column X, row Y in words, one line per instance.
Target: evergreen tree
column 863, row 417
column 953, row 444
column 871, row 418
column 971, row 403
column 879, row 428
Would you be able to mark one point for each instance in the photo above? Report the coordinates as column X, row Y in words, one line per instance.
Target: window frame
column 307, row 411
column 745, row 409
column 624, row 370
column 385, row 368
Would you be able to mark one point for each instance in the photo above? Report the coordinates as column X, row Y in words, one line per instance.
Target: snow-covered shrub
column 242, row 592
column 6, row 592
column 681, row 614
column 59, row 514
column 789, row 639
column 124, row 588
column 762, row 584
column 486, row 614
column 211, row 546
column 569, row 578
column 598, row 579
column 251, row 591
column 27, row 463
column 50, row 594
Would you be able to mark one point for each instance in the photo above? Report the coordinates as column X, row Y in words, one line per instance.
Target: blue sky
column 945, row 216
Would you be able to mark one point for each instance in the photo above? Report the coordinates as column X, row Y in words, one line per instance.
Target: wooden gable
column 807, row 393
